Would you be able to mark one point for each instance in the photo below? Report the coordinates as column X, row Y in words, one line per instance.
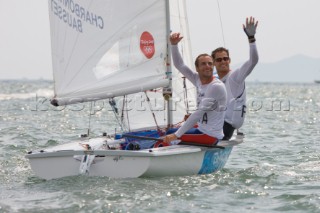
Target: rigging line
column 152, row 112
column 115, row 111
column 122, row 110
column 187, row 39
column 89, row 119
column 186, row 101
column 180, row 18
column 222, row 32
column 125, row 108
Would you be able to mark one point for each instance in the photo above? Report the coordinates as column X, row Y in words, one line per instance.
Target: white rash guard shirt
column 211, row 101
column 236, row 91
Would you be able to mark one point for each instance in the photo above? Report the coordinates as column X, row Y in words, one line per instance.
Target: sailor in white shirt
column 211, row 100
column 235, row 80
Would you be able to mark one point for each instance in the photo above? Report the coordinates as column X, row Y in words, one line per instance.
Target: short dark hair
column 196, row 62
column 219, row 49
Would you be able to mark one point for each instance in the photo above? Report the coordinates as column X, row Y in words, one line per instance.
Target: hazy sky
column 286, row 28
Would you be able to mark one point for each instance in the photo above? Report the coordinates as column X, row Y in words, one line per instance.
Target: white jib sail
column 107, row 48
column 138, row 110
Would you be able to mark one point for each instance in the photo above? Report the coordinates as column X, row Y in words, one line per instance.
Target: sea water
column 276, row 169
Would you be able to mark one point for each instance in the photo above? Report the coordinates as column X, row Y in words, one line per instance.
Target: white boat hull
column 175, row 160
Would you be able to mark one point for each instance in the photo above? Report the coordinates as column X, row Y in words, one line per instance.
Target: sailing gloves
column 250, row 29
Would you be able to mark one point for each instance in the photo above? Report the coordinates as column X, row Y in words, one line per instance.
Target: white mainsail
column 87, row 34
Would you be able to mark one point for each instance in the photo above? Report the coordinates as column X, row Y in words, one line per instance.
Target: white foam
column 39, row 93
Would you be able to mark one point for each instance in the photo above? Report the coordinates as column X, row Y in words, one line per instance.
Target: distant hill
column 299, row 68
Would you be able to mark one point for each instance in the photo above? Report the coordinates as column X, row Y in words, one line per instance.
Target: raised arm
column 242, row 73
column 178, row 62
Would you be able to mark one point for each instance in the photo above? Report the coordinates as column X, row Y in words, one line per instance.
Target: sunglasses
column 220, row 59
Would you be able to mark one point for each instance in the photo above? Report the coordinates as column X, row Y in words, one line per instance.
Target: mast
column 167, row 91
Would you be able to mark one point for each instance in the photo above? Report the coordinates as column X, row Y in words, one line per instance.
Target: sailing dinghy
column 118, row 51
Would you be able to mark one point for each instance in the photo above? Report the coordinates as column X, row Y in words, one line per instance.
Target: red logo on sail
column 147, row 44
